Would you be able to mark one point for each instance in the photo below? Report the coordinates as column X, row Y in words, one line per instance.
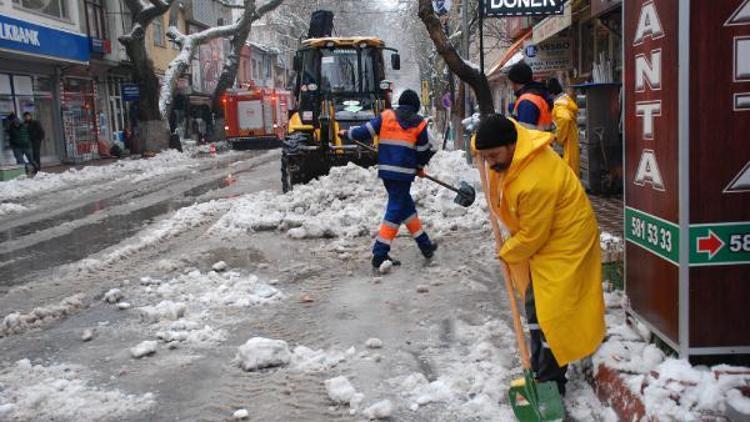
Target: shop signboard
column 505, row 8
column 687, row 171
column 555, row 54
column 130, row 92
column 553, row 25
column 38, row 40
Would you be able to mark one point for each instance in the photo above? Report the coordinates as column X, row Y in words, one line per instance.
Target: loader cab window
column 348, row 70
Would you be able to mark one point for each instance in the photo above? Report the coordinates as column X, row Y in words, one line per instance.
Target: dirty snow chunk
column 113, row 296
column 380, row 410
column 123, row 306
column 340, row 390
column 423, row 289
column 144, row 348
column 62, row 393
column 309, row 360
column 165, row 310
column 220, row 266
column 386, row 267
column 241, row 414
column 259, row 352
column 87, row 335
column 374, row 343
column 194, row 336
column 17, row 322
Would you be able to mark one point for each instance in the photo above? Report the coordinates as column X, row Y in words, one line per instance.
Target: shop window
column 56, row 8
column 95, row 22
column 158, row 28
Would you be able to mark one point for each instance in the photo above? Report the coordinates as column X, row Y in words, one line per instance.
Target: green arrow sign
column 652, row 233
column 720, row 244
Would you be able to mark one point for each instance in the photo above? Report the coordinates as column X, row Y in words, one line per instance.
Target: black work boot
column 377, row 261
column 429, row 250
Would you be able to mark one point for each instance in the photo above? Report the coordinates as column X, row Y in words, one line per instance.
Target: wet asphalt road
column 65, row 230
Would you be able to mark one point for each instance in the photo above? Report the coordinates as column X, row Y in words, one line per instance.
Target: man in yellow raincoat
column 565, row 116
column 554, row 238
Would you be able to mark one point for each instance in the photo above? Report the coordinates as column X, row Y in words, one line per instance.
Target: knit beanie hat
column 521, row 73
column 495, row 131
column 409, row 98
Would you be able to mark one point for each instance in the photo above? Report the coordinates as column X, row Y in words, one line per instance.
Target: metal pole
column 481, row 35
column 467, row 52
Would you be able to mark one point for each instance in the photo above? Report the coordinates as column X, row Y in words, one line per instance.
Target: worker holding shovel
column 552, row 251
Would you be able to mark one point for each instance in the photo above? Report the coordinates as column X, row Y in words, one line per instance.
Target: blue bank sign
column 40, row 40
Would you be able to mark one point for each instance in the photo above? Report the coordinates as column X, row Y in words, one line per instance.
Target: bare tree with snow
column 189, row 44
column 152, row 129
column 467, row 71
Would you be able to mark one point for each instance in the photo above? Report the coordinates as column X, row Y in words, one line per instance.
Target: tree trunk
column 468, row 73
column 151, row 133
column 229, row 71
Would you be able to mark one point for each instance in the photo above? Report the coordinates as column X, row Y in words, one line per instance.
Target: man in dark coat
column 36, row 134
column 21, row 143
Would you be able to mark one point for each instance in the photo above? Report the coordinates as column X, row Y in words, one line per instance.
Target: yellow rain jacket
column 553, row 233
column 565, row 115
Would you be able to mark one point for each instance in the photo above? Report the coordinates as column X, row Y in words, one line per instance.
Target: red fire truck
column 256, row 117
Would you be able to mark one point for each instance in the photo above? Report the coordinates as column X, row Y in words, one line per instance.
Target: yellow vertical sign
column 425, row 93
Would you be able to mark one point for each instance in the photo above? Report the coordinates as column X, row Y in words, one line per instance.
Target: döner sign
column 523, row 7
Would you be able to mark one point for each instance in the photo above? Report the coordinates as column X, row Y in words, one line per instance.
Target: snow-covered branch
column 189, row 44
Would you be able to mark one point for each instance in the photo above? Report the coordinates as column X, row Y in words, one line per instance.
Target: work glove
column 421, row 172
column 343, row 133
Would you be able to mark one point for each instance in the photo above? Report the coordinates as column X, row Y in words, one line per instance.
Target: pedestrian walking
column 553, row 249
column 20, row 142
column 533, row 105
column 565, row 116
column 403, row 152
column 36, row 134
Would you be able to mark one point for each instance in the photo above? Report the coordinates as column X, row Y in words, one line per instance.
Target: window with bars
column 56, row 8
column 95, row 19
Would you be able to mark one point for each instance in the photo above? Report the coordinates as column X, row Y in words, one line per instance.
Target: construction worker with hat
column 403, row 152
column 565, row 116
column 553, row 248
column 533, row 106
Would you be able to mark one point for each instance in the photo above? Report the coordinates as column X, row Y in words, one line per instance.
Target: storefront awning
column 496, row 70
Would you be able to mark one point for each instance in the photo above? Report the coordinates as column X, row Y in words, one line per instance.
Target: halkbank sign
column 42, row 41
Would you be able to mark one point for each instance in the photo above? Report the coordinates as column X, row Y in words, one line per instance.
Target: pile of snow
column 191, row 332
column 184, row 219
column 216, row 290
column 17, row 322
column 670, row 388
column 350, row 201
column 129, row 171
column 165, row 310
column 9, row 208
column 341, row 391
column 60, row 392
column 474, row 375
column 258, row 353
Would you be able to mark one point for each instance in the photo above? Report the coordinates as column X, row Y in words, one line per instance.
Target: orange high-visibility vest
column 545, row 114
column 391, row 132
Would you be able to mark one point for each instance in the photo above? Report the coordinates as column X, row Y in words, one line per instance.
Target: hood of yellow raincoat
column 564, row 100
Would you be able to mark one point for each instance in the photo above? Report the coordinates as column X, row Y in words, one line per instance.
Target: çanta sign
column 523, row 7
column 40, row 40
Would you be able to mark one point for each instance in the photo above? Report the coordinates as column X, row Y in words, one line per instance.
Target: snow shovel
column 531, row 401
column 466, row 193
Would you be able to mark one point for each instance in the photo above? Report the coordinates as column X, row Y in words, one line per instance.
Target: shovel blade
column 536, row 402
column 466, row 195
